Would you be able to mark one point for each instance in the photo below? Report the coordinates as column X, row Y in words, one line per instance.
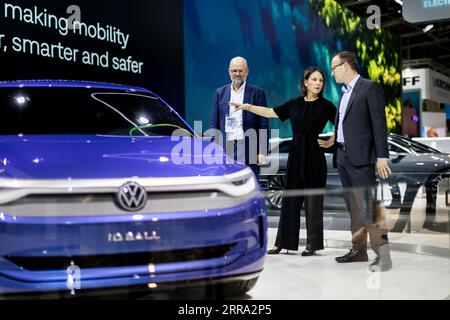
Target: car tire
column 276, row 187
column 225, row 290
column 396, row 201
column 235, row 288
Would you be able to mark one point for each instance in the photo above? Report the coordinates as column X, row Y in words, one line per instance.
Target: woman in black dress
column 307, row 167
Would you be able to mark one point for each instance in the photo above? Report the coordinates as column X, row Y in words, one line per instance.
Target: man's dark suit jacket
column 221, row 108
column 364, row 125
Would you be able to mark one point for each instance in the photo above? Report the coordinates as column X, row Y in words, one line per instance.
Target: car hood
column 106, row 157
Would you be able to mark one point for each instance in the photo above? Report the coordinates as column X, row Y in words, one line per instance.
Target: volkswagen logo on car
column 132, row 197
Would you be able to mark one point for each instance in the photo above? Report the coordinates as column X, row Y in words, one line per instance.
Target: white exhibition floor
column 415, row 274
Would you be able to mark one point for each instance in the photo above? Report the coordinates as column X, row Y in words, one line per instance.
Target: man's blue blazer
column 220, row 109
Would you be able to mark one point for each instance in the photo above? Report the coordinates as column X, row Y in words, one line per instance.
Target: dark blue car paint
column 63, row 157
column 105, row 157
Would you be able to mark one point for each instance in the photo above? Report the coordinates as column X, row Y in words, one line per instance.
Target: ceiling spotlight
column 428, row 28
column 400, row 2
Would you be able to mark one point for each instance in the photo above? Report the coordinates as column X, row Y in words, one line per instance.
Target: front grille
column 120, row 260
column 57, row 205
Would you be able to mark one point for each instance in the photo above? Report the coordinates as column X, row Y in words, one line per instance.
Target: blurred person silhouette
column 407, row 103
column 234, row 124
column 306, row 167
column 361, row 140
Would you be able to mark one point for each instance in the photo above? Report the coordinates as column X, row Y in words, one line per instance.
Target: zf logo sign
column 411, row 81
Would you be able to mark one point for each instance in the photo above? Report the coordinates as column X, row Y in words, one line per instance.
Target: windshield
column 414, row 146
column 55, row 110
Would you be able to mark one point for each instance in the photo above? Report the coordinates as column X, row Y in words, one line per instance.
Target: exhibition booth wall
column 181, row 49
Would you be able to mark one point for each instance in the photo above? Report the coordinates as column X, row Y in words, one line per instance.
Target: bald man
column 242, row 131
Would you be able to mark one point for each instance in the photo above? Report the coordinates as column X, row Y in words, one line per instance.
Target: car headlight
column 241, row 183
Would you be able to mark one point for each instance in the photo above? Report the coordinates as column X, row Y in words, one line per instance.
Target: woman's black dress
column 306, row 169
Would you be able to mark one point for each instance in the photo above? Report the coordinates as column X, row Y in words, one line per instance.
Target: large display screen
column 420, row 11
column 280, row 38
column 131, row 42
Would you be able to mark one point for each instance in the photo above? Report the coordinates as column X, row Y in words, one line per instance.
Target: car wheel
column 231, row 289
column 276, row 187
column 396, row 196
column 235, row 288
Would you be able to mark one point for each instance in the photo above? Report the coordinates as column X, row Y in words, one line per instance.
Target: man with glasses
column 361, row 138
column 241, row 130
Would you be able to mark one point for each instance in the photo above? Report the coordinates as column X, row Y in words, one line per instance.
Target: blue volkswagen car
column 105, row 188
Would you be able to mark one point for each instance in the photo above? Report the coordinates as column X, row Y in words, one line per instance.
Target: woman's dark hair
column 308, row 72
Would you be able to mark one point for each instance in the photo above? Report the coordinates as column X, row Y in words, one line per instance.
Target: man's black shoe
column 353, row 256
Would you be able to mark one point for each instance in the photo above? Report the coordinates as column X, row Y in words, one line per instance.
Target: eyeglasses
column 340, row 64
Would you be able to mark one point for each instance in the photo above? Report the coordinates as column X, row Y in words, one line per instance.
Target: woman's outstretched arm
column 260, row 111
